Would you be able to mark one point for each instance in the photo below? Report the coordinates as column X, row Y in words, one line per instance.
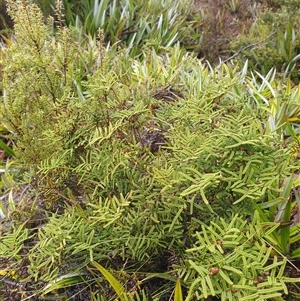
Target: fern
column 232, row 263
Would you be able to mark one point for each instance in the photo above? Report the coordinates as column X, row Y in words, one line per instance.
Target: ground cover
column 152, row 176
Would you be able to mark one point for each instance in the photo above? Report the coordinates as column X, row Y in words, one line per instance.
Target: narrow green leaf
column 63, row 281
column 232, row 269
column 225, row 277
column 117, row 286
column 250, row 297
column 296, row 253
column 178, row 291
column 6, row 148
column 201, row 271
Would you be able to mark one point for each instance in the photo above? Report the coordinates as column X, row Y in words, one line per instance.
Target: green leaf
column 225, row 277
column 63, row 281
column 178, row 291
column 117, row 286
column 296, row 253
column 6, row 148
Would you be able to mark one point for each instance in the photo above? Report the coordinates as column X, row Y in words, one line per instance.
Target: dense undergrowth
column 126, row 174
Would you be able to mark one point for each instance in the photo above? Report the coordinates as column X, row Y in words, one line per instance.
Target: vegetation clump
column 149, row 178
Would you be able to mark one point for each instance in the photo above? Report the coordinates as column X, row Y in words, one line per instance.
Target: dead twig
column 248, row 46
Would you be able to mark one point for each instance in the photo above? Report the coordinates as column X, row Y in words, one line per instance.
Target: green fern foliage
column 231, row 260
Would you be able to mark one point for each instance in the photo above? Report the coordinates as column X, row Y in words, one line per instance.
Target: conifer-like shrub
column 137, row 172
